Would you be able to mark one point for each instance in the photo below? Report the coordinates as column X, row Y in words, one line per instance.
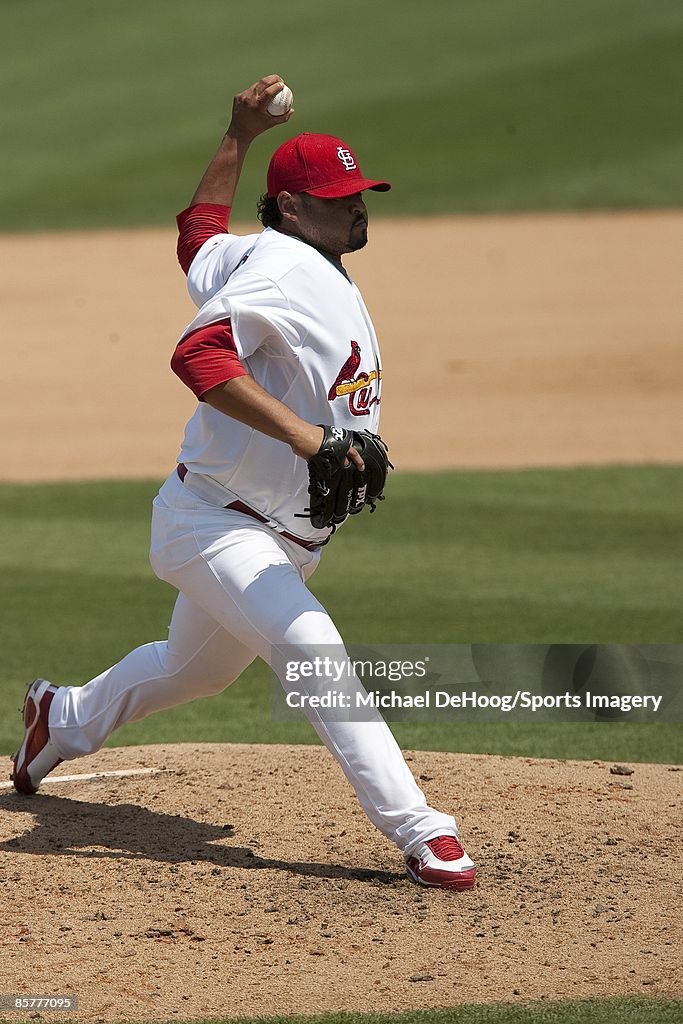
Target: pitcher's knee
column 199, row 679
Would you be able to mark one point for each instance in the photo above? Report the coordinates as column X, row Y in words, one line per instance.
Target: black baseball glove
column 337, row 488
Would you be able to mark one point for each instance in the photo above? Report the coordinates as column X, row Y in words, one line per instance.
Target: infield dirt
column 518, row 341
column 246, row 880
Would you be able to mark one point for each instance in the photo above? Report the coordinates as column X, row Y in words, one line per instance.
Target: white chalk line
column 123, row 774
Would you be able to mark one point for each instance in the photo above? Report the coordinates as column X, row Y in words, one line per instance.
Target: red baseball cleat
column 37, row 756
column 441, row 863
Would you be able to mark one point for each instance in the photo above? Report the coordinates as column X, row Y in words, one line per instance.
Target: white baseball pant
column 242, row 592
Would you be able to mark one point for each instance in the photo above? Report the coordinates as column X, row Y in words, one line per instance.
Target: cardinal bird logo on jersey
column 359, row 387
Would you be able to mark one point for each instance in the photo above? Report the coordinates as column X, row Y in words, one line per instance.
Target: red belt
column 239, row 506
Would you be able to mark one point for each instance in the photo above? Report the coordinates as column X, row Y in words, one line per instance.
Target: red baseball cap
column 320, row 165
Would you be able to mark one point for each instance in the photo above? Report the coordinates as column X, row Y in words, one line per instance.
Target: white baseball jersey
column 302, row 330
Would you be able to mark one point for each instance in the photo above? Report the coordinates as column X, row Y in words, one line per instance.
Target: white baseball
column 281, row 103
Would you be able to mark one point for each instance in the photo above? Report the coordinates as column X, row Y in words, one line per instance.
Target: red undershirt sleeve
column 207, row 357
column 196, row 225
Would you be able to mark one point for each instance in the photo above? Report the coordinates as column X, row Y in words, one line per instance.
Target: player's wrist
column 307, row 441
column 239, row 134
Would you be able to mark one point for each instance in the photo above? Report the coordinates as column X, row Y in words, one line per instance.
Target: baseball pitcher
column 283, row 447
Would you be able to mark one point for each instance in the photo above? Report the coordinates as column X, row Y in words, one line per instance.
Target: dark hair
column 268, row 211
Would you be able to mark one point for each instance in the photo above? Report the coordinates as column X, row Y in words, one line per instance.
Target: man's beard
column 358, row 238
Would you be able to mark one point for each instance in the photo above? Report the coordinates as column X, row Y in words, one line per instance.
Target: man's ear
column 287, row 206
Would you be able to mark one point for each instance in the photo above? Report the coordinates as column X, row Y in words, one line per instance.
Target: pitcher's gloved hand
column 336, row 486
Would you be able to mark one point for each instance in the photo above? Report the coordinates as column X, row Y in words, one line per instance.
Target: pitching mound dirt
column 246, row 880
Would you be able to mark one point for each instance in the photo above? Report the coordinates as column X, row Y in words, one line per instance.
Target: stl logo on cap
column 347, row 158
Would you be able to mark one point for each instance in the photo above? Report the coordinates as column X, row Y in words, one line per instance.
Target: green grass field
column 109, row 112
column 606, row 1011
column 561, row 556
